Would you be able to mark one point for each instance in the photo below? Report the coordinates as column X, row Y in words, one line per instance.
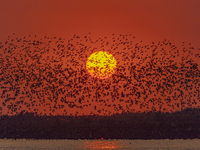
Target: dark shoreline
column 151, row 125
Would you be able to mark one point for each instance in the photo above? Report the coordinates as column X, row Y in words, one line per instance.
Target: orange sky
column 149, row 21
column 176, row 20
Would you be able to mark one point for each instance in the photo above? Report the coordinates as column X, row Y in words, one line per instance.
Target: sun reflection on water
column 102, row 144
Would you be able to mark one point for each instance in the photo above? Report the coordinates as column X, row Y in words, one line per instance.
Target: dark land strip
column 151, row 125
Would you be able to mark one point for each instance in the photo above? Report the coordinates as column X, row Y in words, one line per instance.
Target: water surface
column 23, row 144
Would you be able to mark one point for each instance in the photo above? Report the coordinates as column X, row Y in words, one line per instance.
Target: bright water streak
column 22, row 144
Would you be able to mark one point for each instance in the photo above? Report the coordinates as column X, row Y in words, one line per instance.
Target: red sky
column 148, row 20
column 176, row 20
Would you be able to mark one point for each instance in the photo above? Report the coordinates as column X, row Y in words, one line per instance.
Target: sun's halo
column 101, row 64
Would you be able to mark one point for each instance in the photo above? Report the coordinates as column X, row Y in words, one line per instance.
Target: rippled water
column 22, row 144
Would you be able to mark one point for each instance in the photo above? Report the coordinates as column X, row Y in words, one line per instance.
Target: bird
column 48, row 76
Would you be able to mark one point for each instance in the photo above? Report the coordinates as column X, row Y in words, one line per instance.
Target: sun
column 101, row 64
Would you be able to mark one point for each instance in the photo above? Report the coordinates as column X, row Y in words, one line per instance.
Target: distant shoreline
column 152, row 125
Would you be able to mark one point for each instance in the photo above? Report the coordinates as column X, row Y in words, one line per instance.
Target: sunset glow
column 132, row 57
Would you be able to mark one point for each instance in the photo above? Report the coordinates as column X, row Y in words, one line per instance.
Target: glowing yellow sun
column 101, row 64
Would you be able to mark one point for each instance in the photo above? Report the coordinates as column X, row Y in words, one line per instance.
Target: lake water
column 23, row 144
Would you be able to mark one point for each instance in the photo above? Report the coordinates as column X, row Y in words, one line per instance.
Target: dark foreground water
column 22, row 144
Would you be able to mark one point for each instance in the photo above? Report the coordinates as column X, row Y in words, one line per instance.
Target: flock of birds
column 48, row 76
